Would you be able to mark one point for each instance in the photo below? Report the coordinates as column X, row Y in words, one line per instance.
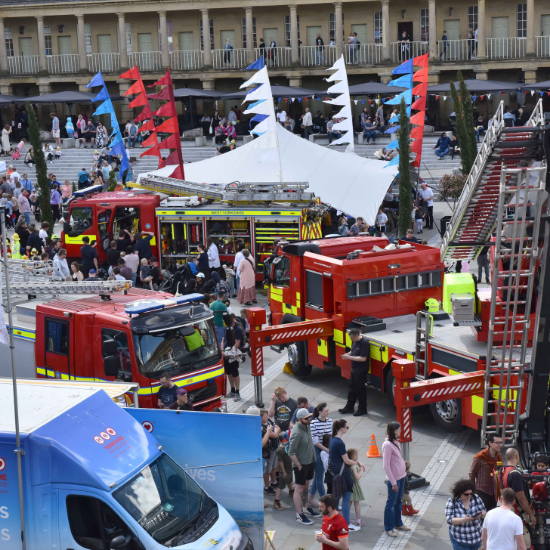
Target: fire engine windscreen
column 167, row 503
column 81, row 219
column 176, row 349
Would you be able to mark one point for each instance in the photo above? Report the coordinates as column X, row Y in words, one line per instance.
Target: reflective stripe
column 224, row 213
column 185, row 381
column 24, row 334
column 78, row 240
column 338, row 336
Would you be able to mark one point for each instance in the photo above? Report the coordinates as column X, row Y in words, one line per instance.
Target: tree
column 112, row 181
column 450, row 187
column 405, row 193
column 42, row 183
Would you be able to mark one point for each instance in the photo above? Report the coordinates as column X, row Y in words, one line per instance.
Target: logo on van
column 110, row 431
column 2, row 464
column 98, row 439
column 148, row 426
column 105, row 435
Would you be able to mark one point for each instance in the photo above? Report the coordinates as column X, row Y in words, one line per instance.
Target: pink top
column 247, row 274
column 24, row 205
column 392, row 461
column 66, row 191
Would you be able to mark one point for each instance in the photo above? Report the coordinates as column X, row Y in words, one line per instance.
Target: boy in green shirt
column 219, row 308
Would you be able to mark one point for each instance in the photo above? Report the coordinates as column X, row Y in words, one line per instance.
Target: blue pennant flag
column 118, row 148
column 257, row 118
column 362, row 102
column 541, row 94
column 403, row 82
column 404, row 68
column 393, row 162
column 105, row 108
column 102, row 96
column 97, row 80
column 393, row 145
column 257, row 65
column 114, row 121
column 392, row 130
column 397, row 100
column 256, row 103
column 299, row 100
column 278, row 99
column 124, row 163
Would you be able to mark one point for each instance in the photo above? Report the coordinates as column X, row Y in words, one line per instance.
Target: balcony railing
column 104, row 62
column 146, row 61
column 505, row 48
column 542, row 46
column 185, row 60
column 363, row 54
column 24, row 64
column 403, row 51
column 229, row 59
column 58, row 64
column 312, row 55
column 456, row 50
column 275, row 57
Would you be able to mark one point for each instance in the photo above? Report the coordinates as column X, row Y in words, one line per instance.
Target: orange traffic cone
column 373, row 449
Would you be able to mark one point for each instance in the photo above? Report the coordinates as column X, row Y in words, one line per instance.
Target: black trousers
column 488, row 500
column 357, row 390
column 430, row 216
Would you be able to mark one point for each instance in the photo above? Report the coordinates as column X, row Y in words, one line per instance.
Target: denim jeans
column 441, row 152
column 462, row 545
column 318, row 483
column 134, row 278
column 392, row 512
column 370, row 133
column 220, row 332
column 345, row 505
column 27, row 217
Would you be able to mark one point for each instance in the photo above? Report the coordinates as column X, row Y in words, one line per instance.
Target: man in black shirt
column 409, row 237
column 155, row 271
column 359, row 357
column 112, row 256
column 167, row 392
column 92, row 275
column 143, row 244
column 89, row 257
column 125, row 239
column 233, row 338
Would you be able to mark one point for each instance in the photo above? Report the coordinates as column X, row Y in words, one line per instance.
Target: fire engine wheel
column 297, row 352
column 448, row 414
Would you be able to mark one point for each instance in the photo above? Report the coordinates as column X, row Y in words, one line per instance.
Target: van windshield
column 166, row 502
column 81, row 220
column 177, row 350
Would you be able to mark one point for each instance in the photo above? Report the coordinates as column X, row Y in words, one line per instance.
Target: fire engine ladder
column 517, row 250
column 232, row 192
column 424, row 327
column 475, row 216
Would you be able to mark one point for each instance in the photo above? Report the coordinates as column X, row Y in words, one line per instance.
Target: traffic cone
column 373, row 451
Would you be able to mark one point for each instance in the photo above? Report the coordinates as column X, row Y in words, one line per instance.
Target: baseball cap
column 302, row 413
column 253, row 410
column 92, row 271
column 200, row 275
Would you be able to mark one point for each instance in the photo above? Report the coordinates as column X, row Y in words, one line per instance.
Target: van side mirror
column 111, row 365
column 109, row 348
column 66, row 228
column 119, row 542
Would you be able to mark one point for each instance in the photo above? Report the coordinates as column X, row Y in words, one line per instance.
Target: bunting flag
column 148, row 126
column 341, row 87
column 421, row 60
column 117, row 143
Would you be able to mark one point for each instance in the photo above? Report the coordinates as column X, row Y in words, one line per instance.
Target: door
column 453, row 46
column 361, row 31
column 312, row 33
column 186, row 41
column 271, row 34
column 104, row 44
column 105, row 234
column 405, row 26
column 106, row 362
column 545, row 32
column 452, row 27
column 25, row 46
column 57, row 343
column 224, row 35
column 64, row 45
column 499, row 28
column 145, row 45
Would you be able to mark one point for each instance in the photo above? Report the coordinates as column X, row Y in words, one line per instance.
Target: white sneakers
column 353, row 527
column 403, row 528
column 394, row 533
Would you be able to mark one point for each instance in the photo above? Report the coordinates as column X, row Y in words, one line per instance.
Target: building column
column 164, row 47
column 530, row 46
column 3, row 51
column 209, row 84
column 530, row 76
column 294, row 46
column 385, row 30
column 41, row 44
column 122, row 50
column 481, row 46
column 81, row 36
column 207, row 52
column 250, row 58
column 432, row 30
column 338, row 30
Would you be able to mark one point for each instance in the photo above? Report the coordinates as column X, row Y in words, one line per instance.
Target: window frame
column 48, row 45
column 378, row 26
column 521, row 20
column 332, row 27
column 67, row 326
column 243, row 32
column 393, row 283
column 472, row 17
column 424, row 24
column 288, row 33
column 201, row 39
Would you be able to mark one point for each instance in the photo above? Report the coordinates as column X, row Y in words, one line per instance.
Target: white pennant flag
column 355, row 101
column 532, row 92
column 489, row 96
column 444, row 98
column 293, row 99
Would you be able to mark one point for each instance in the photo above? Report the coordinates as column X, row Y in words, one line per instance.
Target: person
column 352, row 41
column 479, row 127
column 229, row 278
column 113, row 254
column 213, row 254
column 302, row 454
column 55, row 129
column 236, row 262
column 34, row 240
column 142, row 244
column 286, row 477
column 92, row 276
column 332, row 133
column 6, row 147
column 343, row 227
column 320, row 48
column 269, row 452
column 509, row 117
column 404, row 49
column 356, row 493
column 484, row 468
column 89, row 256
column 132, row 261
column 124, row 240
column 471, row 43
column 145, row 274
column 442, row 146
column 427, row 196
column 233, row 337
column 483, row 263
column 453, row 146
column 125, row 271
column 203, row 264
column 182, row 402
column 273, row 51
column 76, row 273
column 69, row 127
column 465, row 512
column 83, row 179
column 502, row 529
column 381, row 221
column 359, row 357
column 338, row 460
column 308, row 124
column 409, row 237
column 369, row 131
column 116, row 274
column 219, row 308
column 60, row 267
column 444, row 44
column 24, row 206
column 29, row 157
column 320, row 426
column 282, row 408
column 22, row 231
column 132, row 135
column 302, row 403
column 247, row 280
column 407, row 509
column 167, row 393
column 335, row 531
column 395, row 469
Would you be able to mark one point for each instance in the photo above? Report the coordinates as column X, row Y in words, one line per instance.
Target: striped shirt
column 319, row 429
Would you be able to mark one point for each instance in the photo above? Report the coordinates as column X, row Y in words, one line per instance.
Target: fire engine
column 254, row 214
column 470, row 360
column 108, row 331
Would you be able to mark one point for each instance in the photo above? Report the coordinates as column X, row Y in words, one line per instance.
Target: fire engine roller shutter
column 314, row 289
column 400, row 283
column 453, row 361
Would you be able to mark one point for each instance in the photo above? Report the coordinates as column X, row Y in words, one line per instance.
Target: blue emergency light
column 143, row 306
column 88, row 191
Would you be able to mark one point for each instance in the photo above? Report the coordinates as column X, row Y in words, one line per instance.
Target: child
column 356, row 493
column 408, row 509
column 230, row 278
column 381, row 221
column 34, row 255
column 96, row 157
column 144, row 273
column 227, row 303
column 57, row 153
column 419, row 217
column 542, row 465
column 244, row 316
column 324, row 459
column 285, row 471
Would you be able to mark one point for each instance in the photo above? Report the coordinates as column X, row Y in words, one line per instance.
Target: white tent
column 348, row 182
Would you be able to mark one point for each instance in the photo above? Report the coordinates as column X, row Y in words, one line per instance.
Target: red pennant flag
column 136, row 88
column 419, row 104
column 163, row 94
column 436, row 97
column 547, row 93
column 416, row 161
column 153, row 152
column 172, row 158
column 481, row 97
column 164, row 81
column 151, row 140
column 162, row 163
column 421, row 60
column 420, row 89
column 144, row 115
column 147, row 126
column 178, row 173
column 168, row 109
column 370, row 101
column 421, row 75
column 139, row 101
column 172, row 142
column 503, row 93
column 169, row 126
column 416, row 146
column 417, row 133
column 132, row 73
column 418, row 118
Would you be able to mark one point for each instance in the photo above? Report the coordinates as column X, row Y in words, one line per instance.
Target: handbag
column 210, row 129
column 339, row 484
column 75, row 135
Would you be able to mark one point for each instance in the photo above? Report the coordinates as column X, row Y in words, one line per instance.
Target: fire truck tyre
column 297, row 352
column 390, row 386
column 448, row 414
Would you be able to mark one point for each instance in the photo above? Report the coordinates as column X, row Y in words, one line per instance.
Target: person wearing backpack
column 233, row 337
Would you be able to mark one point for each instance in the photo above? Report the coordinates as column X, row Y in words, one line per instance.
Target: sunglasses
column 467, row 494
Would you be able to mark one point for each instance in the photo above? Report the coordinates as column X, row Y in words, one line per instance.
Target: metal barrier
column 505, row 48
column 402, row 51
column 24, row 64
column 184, row 60
column 146, row 61
column 456, row 50
column 229, row 59
column 542, row 46
column 58, row 64
column 362, row 54
column 104, row 62
column 275, row 57
column 313, row 55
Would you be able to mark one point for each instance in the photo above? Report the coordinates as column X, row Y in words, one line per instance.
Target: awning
column 477, row 86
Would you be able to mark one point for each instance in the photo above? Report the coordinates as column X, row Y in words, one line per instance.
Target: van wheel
column 448, row 414
column 390, row 386
column 297, row 352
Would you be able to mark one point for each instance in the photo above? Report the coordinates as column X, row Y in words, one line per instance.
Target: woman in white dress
column 6, row 140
